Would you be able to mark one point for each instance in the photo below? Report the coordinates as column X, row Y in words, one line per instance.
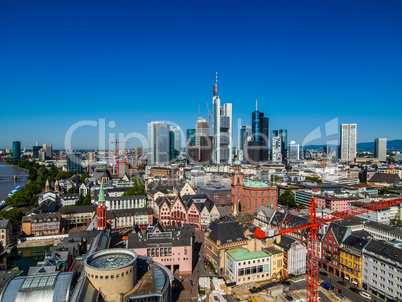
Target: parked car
column 327, row 285
column 354, row 289
column 365, row 295
column 343, row 283
column 324, row 273
column 340, row 296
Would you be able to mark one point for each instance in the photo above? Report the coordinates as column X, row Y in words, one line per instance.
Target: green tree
column 288, row 197
column 83, row 177
column 63, row 175
column 314, row 179
column 384, row 190
column 14, row 215
column 137, row 189
column 87, row 200
column 275, row 178
column 72, row 190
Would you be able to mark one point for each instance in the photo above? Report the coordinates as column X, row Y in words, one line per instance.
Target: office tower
column 177, row 140
column 190, row 136
column 206, row 150
column 294, row 151
column 171, row 145
column 35, row 151
column 245, row 133
column 348, row 141
column 201, row 129
column 222, row 129
column 283, row 134
column 48, row 150
column 74, row 161
column 327, row 150
column 260, row 132
column 158, row 143
column 380, row 149
column 91, row 157
column 42, row 154
column 16, row 149
column 276, row 149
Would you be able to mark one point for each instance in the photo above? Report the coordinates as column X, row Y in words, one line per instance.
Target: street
column 344, row 290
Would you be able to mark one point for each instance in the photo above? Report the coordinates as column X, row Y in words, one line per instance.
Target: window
column 256, row 204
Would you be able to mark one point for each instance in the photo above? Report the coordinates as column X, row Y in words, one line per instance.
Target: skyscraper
column 190, row 136
column 245, row 132
column 172, row 152
column 380, row 149
column 222, row 129
column 260, row 131
column 158, row 143
column 74, row 161
column 348, row 141
column 16, row 149
column 48, row 150
column 35, row 151
column 201, row 129
column 283, row 134
column 276, row 148
column 294, row 151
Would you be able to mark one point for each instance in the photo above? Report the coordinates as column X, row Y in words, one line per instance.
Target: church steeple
column 101, row 210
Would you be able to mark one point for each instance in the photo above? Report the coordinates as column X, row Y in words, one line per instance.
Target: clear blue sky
column 133, row 62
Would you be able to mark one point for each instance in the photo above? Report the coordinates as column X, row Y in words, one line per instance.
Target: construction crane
column 117, row 155
column 210, row 114
column 312, row 235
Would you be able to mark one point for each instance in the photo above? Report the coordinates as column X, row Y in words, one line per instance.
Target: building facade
column 380, row 149
column 158, row 143
column 16, row 149
column 348, row 141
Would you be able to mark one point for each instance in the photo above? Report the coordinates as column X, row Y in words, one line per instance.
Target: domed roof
column 237, row 162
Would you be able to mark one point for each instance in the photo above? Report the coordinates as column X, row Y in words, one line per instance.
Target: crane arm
column 360, row 210
column 260, row 234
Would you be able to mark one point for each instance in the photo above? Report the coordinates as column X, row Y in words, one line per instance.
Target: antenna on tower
column 199, row 110
column 256, row 104
column 216, row 78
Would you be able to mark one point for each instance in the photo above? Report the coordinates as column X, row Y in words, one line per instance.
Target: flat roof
column 241, row 254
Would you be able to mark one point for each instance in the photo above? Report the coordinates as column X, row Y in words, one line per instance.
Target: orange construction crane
column 210, row 114
column 312, row 236
column 117, row 155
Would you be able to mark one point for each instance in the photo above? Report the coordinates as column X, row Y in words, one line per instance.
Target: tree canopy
column 288, row 198
column 137, row 189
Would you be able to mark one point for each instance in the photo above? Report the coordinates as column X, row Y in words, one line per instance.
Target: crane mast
column 312, row 228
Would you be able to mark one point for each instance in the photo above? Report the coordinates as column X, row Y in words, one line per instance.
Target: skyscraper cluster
column 163, row 143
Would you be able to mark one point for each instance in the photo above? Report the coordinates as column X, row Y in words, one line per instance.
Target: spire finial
column 256, row 104
column 216, row 78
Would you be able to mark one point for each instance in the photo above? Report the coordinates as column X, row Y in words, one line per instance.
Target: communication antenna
column 256, row 105
column 199, row 110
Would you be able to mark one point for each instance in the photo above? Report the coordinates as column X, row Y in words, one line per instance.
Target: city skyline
column 133, row 63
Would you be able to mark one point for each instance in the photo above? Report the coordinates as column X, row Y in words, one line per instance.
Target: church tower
column 47, row 186
column 101, row 210
column 237, row 187
column 181, row 173
column 56, row 186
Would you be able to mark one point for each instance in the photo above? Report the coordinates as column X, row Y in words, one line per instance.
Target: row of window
column 101, row 277
column 250, row 270
column 256, row 193
column 254, row 277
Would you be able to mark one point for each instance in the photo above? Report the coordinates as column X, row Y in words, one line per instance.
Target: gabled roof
column 339, row 232
column 226, row 232
column 385, row 250
column 355, row 241
column 385, row 178
column 285, row 242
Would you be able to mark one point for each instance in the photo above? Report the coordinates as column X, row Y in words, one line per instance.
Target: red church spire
column 101, row 210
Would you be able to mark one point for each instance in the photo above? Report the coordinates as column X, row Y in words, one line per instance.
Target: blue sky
column 133, row 62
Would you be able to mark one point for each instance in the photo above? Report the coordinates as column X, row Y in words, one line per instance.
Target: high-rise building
column 276, row 149
column 48, row 150
column 177, row 140
column 327, row 150
column 348, row 141
column 245, row 133
column 35, row 151
column 283, row 134
column 158, row 143
column 260, row 131
column 42, row 154
column 222, row 129
column 139, row 151
column 172, row 152
column 74, row 161
column 380, row 149
column 294, row 151
column 206, row 150
column 16, row 149
column 201, row 129
column 190, row 136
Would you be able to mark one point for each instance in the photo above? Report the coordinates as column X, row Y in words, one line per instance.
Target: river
column 7, row 185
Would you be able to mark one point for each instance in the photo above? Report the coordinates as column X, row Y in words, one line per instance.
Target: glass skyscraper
column 74, row 161
column 16, row 149
column 158, row 143
column 190, row 136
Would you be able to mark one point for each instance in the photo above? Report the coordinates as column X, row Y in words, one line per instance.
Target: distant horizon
column 132, row 62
